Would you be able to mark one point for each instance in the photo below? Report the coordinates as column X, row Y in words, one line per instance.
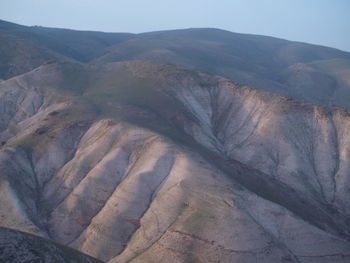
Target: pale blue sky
column 324, row 22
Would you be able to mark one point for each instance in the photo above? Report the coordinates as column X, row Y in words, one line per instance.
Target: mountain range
column 195, row 145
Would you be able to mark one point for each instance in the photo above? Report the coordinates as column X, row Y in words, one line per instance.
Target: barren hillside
column 147, row 162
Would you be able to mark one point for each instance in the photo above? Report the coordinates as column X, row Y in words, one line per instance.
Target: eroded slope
column 125, row 193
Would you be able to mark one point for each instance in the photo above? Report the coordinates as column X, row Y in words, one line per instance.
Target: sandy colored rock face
column 262, row 178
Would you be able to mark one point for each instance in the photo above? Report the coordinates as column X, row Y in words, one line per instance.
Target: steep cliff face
column 146, row 162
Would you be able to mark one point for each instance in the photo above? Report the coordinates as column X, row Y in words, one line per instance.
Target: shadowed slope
column 21, row 247
column 24, row 48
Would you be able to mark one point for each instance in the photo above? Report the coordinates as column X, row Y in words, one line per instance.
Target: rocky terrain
column 141, row 161
column 21, row 247
column 200, row 169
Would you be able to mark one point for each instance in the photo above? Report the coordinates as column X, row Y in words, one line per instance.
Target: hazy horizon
column 321, row 22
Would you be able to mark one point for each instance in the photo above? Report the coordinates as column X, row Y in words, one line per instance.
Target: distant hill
column 24, row 48
column 272, row 64
column 267, row 63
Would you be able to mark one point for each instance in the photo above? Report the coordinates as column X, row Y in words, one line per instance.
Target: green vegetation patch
column 75, row 78
column 119, row 94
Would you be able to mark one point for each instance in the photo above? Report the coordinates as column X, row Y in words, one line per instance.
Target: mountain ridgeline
column 313, row 73
column 196, row 145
